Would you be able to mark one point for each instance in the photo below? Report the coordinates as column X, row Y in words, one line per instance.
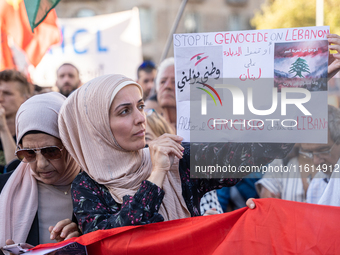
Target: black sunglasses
column 30, row 155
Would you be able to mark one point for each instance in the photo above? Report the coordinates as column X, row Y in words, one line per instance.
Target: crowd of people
column 108, row 156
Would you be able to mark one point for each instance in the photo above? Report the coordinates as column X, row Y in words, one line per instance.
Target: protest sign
column 252, row 86
column 98, row 45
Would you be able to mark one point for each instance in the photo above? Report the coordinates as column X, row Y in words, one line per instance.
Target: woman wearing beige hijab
column 35, row 201
column 102, row 125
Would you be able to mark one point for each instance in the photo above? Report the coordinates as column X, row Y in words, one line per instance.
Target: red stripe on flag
column 200, row 60
column 196, row 55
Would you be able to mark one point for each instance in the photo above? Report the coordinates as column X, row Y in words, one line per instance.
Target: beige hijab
column 19, row 197
column 85, row 131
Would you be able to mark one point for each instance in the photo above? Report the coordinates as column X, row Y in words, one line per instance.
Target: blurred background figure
column 146, row 74
column 68, row 79
column 14, row 90
column 165, row 100
column 291, row 185
column 156, row 126
column 209, row 204
column 310, row 168
column 326, row 158
column 235, row 197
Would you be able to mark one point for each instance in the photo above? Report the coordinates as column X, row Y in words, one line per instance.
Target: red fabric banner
column 274, row 227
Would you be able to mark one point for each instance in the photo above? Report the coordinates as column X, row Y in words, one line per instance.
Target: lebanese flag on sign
column 14, row 22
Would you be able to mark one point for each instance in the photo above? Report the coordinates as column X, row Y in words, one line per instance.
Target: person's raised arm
column 162, row 152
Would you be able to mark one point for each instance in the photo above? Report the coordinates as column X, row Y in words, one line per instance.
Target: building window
column 236, row 22
column 236, row 2
column 85, row 13
column 191, row 23
column 146, row 24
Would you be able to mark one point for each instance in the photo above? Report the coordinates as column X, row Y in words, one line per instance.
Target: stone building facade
column 157, row 17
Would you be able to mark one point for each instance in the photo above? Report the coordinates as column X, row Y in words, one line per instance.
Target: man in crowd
column 165, row 101
column 67, row 79
column 146, row 74
column 14, row 90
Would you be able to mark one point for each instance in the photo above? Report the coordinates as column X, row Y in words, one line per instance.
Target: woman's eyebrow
column 127, row 104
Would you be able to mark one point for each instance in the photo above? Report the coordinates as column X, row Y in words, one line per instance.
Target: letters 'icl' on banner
column 103, row 44
column 252, row 86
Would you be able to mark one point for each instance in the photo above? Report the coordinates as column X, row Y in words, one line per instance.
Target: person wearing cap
column 146, row 74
